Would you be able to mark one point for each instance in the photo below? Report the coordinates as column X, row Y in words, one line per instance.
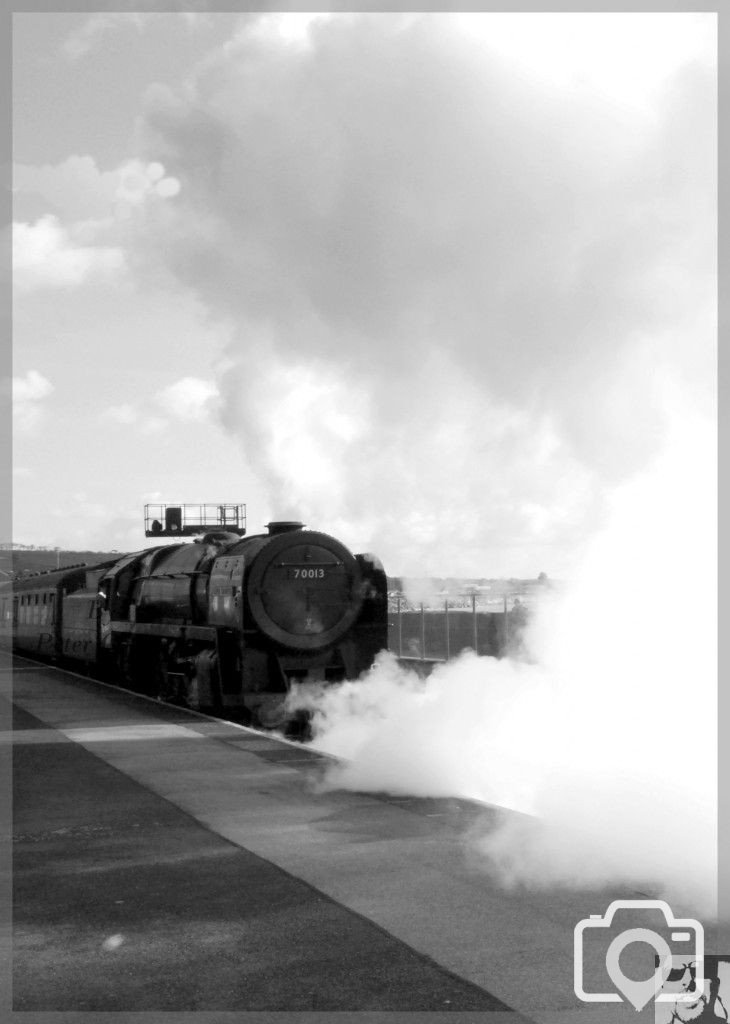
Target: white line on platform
column 145, row 731
column 21, row 737
column 30, row 668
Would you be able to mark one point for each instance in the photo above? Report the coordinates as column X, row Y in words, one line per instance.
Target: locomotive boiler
column 224, row 622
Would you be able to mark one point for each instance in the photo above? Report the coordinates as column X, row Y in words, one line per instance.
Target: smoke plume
column 608, row 741
column 468, row 268
column 455, row 272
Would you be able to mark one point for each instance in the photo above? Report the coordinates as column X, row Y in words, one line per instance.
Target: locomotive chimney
column 283, row 526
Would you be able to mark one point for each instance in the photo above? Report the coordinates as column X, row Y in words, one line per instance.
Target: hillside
column 24, row 560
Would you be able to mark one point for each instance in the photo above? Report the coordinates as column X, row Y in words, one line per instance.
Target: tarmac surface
column 165, row 861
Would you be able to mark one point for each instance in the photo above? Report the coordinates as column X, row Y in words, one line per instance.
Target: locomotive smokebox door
column 304, row 589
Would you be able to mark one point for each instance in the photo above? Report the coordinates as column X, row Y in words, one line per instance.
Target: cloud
column 87, row 37
column 137, row 182
column 130, row 416
column 290, row 29
column 124, row 413
column 408, row 461
column 77, row 190
column 29, row 392
column 153, row 425
column 80, row 42
column 93, row 219
column 86, row 508
column 74, row 190
column 496, row 269
column 31, row 388
column 564, row 52
column 47, row 255
column 191, row 398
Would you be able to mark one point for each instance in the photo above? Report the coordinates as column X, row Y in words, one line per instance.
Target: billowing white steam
column 454, row 254
column 460, row 258
column 610, row 739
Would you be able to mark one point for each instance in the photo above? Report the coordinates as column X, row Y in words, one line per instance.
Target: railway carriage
column 53, row 614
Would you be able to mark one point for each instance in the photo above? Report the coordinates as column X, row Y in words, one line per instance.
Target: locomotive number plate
column 294, row 573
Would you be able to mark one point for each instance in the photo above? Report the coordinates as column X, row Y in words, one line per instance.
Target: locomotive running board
column 164, row 629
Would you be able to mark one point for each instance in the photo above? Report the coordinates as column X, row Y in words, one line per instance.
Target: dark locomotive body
column 225, row 622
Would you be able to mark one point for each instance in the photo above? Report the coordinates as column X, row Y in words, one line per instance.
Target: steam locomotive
column 224, row 622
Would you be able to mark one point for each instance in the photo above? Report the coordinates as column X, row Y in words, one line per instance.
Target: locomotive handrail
column 170, row 575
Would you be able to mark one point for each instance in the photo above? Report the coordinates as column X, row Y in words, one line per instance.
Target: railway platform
column 165, row 861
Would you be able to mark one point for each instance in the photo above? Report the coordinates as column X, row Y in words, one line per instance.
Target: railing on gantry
column 185, row 519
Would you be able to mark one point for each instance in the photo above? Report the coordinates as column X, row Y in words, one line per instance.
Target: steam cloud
column 456, row 283
column 471, row 297
column 609, row 740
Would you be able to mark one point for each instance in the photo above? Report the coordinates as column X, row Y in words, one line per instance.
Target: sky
column 438, row 284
